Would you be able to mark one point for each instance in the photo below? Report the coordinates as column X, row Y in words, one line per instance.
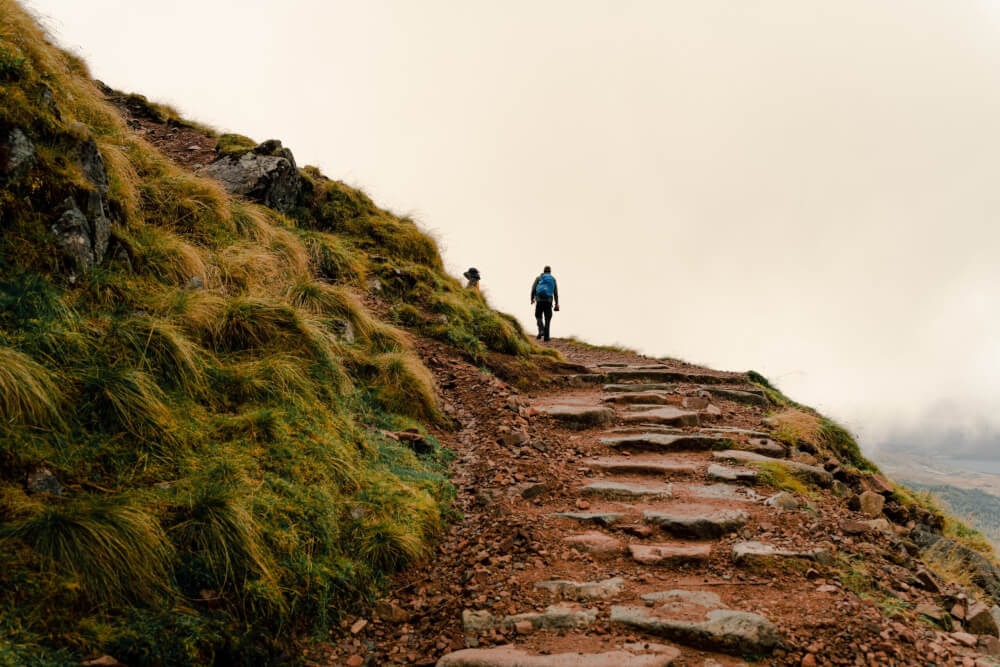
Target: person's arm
column 555, row 290
column 534, row 286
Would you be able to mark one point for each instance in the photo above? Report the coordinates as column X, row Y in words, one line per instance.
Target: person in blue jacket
column 544, row 293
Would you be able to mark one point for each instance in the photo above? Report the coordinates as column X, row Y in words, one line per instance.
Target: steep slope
column 200, row 391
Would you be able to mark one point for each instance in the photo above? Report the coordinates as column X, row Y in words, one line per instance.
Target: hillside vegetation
column 194, row 397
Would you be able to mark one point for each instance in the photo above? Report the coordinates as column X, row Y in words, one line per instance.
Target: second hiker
column 544, row 293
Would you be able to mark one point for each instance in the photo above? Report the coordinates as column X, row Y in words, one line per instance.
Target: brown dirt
column 504, row 543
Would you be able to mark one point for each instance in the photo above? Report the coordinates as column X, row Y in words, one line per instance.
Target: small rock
column 979, row 620
column 355, row 661
column 358, row 626
column 41, row 480
column 964, row 638
column 809, row 660
column 782, row 500
column 523, row 627
column 391, row 613
column 871, row 503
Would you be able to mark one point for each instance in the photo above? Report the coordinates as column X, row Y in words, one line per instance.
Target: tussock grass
column 405, row 386
column 829, row 438
column 334, row 259
column 29, row 393
column 161, row 347
column 166, row 256
column 119, row 397
column 115, row 553
column 782, row 478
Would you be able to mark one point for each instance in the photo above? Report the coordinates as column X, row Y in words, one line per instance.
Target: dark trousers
column 543, row 315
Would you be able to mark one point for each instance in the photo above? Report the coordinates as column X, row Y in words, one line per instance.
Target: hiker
column 472, row 275
column 544, row 292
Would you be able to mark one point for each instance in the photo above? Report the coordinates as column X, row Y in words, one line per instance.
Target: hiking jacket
column 555, row 290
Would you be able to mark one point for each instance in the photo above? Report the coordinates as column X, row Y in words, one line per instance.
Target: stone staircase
column 675, row 493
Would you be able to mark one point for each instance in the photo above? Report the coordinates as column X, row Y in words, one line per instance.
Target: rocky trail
column 623, row 517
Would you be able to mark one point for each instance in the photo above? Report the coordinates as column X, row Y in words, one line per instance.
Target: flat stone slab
column 606, row 519
column 765, row 446
column 558, row 616
column 820, row 476
column 737, row 632
column 579, row 415
column 747, row 397
column 509, row 656
column 731, row 474
column 584, row 590
column 642, row 387
column 748, row 551
column 595, row 542
column 685, row 599
column 628, row 466
column 669, row 554
column 665, row 376
column 626, row 491
column 738, row 431
column 697, row 522
column 666, row 414
column 646, row 397
column 722, row 491
column 663, row 442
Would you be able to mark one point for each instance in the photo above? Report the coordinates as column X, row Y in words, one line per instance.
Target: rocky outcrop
column 81, row 224
column 267, row 175
column 985, row 574
column 17, row 154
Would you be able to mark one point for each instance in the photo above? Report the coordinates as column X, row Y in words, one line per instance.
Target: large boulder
column 266, row 174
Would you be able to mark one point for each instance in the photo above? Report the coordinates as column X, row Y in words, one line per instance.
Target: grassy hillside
column 980, row 509
column 192, row 456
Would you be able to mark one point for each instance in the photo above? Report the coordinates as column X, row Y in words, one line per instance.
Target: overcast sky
column 803, row 187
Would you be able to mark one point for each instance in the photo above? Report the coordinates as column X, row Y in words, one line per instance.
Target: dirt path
column 607, row 522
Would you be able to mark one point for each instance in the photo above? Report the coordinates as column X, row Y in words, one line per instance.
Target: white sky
column 803, row 187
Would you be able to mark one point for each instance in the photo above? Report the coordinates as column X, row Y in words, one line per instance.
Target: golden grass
column 161, row 347
column 795, row 424
column 166, row 256
column 29, row 393
column 782, row 478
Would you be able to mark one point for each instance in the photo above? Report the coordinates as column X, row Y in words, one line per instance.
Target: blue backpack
column 546, row 286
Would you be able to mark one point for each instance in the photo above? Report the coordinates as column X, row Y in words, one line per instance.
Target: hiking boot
column 538, row 337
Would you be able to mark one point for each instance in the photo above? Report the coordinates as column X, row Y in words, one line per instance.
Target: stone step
column 731, row 474
column 745, row 396
column 765, row 446
column 665, row 376
column 664, row 442
column 729, row 630
column 626, row 491
column 750, row 551
column 557, row 616
column 734, row 430
column 817, row 474
column 511, row 656
column 667, row 414
column 581, row 416
column 627, row 465
column 696, row 521
column 595, row 542
column 606, row 519
column 720, row 491
column 642, row 387
column 643, row 397
column 585, row 590
column 670, row 554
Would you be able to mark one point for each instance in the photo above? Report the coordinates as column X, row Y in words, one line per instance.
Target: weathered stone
column 731, row 474
column 530, row 490
column 697, row 522
column 744, row 551
column 979, row 621
column 664, row 376
column 646, row 398
column 559, row 616
column 587, row 590
column 640, row 388
column 17, row 154
column 782, row 501
column 662, row 442
column 724, row 629
column 871, row 503
column 267, row 174
column 513, row 438
column 817, row 474
column 666, row 414
column 741, row 494
column 581, row 416
column 694, row 402
column 606, row 519
column 747, row 397
column 669, row 554
column 509, row 656
column 595, row 543
column 985, row 574
column 852, row 527
column 765, row 446
column 41, row 480
column 964, row 638
column 390, row 612
column 625, row 490
column 629, row 466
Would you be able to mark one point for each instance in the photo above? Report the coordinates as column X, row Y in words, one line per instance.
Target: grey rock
column 625, row 490
column 606, row 519
column 559, row 616
column 620, row 388
column 979, row 620
column 93, row 165
column 984, row 573
column 17, row 154
column 595, row 542
column 732, row 492
column 683, row 599
column 629, row 466
column 817, row 474
column 663, row 377
column 666, row 414
column 581, row 416
column 669, row 554
column 871, row 503
column 782, row 501
column 267, row 174
column 646, row 398
column 586, row 590
column 744, row 551
column 730, row 474
column 703, row 523
column 41, row 480
column 662, row 442
column 344, row 330
column 724, row 629
column 747, row 397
